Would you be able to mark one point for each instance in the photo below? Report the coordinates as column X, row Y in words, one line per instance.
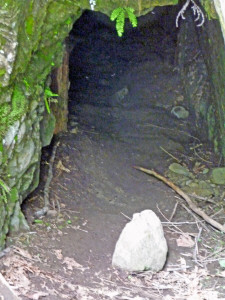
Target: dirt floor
column 122, row 92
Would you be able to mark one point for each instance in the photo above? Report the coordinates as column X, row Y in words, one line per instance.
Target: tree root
column 192, row 206
column 45, row 209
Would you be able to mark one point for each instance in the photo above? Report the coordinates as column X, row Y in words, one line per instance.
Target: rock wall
column 201, row 57
column 32, row 35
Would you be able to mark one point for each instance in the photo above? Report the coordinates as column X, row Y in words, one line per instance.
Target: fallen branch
column 192, row 206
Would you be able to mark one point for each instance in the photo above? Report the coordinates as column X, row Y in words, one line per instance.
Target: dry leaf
column 58, row 254
column 183, row 263
column 22, row 252
column 71, row 263
column 185, row 241
column 61, row 167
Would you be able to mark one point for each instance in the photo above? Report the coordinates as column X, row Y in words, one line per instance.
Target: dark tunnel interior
column 98, row 55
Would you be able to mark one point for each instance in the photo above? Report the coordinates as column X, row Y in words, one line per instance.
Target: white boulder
column 141, row 245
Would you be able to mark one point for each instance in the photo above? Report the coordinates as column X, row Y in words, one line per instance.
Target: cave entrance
column 128, row 88
column 126, row 109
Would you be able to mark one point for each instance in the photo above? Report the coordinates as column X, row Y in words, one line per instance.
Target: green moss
column 69, row 21
column 2, row 240
column 30, row 25
column 140, row 7
column 11, row 113
column 209, row 8
column 2, row 72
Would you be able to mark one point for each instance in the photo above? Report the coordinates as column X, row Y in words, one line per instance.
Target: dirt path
column 122, row 93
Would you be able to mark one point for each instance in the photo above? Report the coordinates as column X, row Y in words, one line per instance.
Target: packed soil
column 121, row 96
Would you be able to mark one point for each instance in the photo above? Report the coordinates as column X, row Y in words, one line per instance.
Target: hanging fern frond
column 115, row 13
column 131, row 16
column 119, row 14
column 120, row 21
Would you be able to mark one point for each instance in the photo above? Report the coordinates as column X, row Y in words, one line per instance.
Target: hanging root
column 196, row 11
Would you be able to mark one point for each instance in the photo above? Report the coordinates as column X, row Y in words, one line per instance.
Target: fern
column 119, row 14
column 131, row 16
column 120, row 23
column 47, row 97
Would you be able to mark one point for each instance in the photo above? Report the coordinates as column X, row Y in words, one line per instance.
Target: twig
column 45, row 209
column 216, row 213
column 171, row 155
column 196, row 247
column 172, row 224
column 205, row 160
column 173, row 212
column 125, row 216
column 193, row 215
column 192, row 206
column 179, row 223
column 213, row 254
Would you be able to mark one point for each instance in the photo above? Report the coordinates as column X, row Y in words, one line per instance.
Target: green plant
column 119, row 14
column 11, row 113
column 48, row 98
column 5, row 190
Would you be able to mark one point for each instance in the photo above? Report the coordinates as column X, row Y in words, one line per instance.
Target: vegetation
column 48, row 98
column 119, row 14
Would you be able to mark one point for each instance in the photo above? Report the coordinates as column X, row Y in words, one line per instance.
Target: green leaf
column 37, row 221
column 47, row 106
column 49, row 93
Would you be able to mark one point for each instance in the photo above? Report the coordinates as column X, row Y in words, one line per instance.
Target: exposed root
column 45, row 209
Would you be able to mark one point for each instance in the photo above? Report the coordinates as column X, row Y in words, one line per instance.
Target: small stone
column 52, row 213
column 180, row 112
column 74, row 130
column 179, row 169
column 141, row 245
column 218, row 176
